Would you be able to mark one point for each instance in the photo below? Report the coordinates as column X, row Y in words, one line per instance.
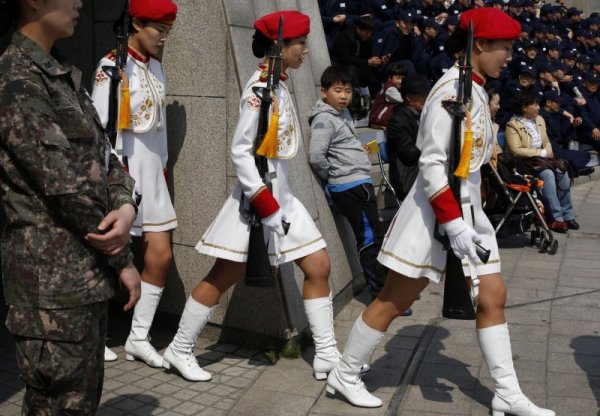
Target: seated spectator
column 589, row 130
column 398, row 42
column 388, row 97
column 339, row 159
column 526, row 137
column 560, row 126
column 402, row 135
column 337, row 16
column 353, row 48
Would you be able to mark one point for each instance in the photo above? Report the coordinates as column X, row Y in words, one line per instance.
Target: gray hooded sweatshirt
column 335, row 153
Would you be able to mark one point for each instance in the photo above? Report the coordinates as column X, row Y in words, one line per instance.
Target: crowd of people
column 556, row 58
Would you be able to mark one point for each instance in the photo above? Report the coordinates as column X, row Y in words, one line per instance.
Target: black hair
column 262, row 44
column 523, row 99
column 9, row 12
column 491, row 91
column 456, row 42
column 365, row 23
column 337, row 73
column 396, row 69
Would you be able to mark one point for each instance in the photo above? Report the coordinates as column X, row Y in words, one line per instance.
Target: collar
column 137, row 55
column 478, row 79
column 264, row 73
column 44, row 60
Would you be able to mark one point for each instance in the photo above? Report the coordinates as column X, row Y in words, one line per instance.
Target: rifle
column 258, row 267
column 457, row 297
column 120, row 29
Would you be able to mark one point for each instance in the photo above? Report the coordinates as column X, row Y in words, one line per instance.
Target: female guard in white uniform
column 410, row 250
column 142, row 146
column 227, row 237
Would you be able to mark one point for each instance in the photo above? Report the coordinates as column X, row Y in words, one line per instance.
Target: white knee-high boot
column 180, row 352
column 495, row 346
column 345, row 377
column 138, row 343
column 319, row 313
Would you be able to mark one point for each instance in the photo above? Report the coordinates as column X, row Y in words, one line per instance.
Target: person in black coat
column 402, row 135
column 353, row 48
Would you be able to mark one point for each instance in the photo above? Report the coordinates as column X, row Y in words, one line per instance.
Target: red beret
column 162, row 11
column 295, row 24
column 490, row 23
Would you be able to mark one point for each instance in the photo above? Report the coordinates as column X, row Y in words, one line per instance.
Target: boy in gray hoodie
column 342, row 162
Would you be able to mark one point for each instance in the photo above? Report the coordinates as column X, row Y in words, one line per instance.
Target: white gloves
column 273, row 223
column 462, row 238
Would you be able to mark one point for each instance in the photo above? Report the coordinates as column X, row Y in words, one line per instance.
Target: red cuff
column 445, row 206
column 264, row 203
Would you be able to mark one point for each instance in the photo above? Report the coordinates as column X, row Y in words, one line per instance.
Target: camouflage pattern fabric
column 61, row 358
column 58, row 180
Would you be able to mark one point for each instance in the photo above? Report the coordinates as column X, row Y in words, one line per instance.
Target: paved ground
column 425, row 366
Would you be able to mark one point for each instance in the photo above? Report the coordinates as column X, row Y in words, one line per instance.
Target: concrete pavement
column 426, row 365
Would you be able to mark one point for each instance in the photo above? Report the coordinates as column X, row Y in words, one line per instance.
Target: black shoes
column 588, row 170
column 572, row 225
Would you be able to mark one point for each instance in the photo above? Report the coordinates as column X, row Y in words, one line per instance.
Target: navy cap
column 568, row 53
column 573, row 11
column 539, row 27
column 584, row 59
column 552, row 95
column 592, row 76
column 545, row 67
column 528, row 69
column 432, row 24
column 514, row 3
column 405, row 16
column 529, row 43
column 596, row 60
column 552, row 45
column 525, row 28
column 560, row 66
column 580, row 32
column 546, row 8
column 452, row 20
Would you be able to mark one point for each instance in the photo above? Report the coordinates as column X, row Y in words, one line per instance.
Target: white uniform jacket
column 409, row 246
column 144, row 144
column 227, row 236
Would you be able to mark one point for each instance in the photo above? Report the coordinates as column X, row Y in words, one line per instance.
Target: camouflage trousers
column 60, row 354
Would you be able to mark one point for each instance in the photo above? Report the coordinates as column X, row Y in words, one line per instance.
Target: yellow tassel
column 462, row 171
column 269, row 144
column 124, row 104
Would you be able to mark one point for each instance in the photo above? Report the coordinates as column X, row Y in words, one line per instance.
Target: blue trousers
column 556, row 195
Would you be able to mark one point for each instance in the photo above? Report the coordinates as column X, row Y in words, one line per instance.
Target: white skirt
column 410, row 248
column 146, row 158
column 227, row 237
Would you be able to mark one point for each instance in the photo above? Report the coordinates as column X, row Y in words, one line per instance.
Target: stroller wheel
column 544, row 243
column 553, row 248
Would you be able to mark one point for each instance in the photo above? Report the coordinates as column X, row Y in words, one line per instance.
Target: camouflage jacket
column 57, row 182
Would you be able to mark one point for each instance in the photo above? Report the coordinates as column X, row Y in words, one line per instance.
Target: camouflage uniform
column 57, row 182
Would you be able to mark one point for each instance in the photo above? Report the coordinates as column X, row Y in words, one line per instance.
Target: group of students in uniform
column 557, row 50
column 66, row 139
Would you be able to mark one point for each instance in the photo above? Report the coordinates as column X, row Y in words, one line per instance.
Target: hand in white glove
column 462, row 239
column 273, row 223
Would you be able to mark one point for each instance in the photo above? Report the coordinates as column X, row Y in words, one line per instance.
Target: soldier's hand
column 117, row 225
column 131, row 280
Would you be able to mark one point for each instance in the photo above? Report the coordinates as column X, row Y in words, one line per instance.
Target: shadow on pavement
column 586, row 350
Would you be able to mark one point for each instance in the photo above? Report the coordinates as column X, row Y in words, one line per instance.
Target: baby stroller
column 513, row 198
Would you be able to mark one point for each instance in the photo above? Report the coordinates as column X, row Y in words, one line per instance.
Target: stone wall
column 207, row 60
